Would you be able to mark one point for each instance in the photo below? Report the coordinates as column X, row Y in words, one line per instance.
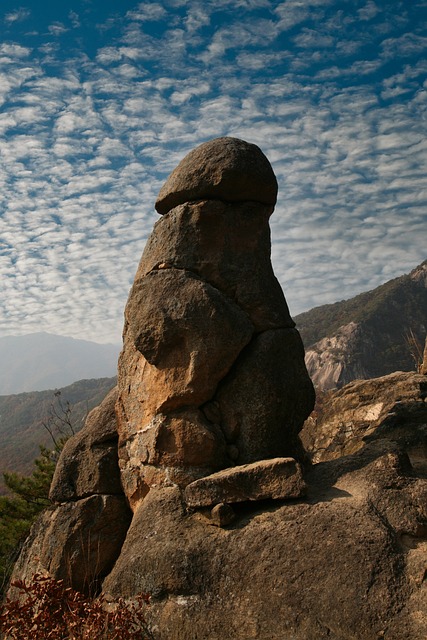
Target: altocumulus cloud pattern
column 100, row 101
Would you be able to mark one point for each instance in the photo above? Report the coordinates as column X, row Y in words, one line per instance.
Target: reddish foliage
column 48, row 610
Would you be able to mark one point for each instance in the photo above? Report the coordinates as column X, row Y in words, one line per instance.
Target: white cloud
column 13, row 50
column 147, row 12
column 310, row 39
column 368, row 11
column 74, row 18
column 88, row 140
column 198, row 16
column 57, row 29
column 17, row 16
column 294, row 12
column 238, row 36
column 257, row 61
column 408, row 44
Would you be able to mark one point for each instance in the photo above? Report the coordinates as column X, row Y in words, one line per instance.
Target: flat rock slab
column 278, row 478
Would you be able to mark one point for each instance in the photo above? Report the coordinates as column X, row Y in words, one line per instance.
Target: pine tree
column 18, row 511
column 30, row 494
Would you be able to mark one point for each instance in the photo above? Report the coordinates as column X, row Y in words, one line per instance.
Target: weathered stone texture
column 278, row 478
column 226, row 245
column 222, row 515
column 222, row 169
column 392, row 407
column 262, row 400
column 330, row 566
column 77, row 542
column 346, row 561
column 188, row 331
column 89, row 461
column 212, row 371
column 171, row 449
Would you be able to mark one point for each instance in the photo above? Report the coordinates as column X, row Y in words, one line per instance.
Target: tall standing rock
column 212, row 370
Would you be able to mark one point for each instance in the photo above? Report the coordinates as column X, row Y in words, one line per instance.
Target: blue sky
column 99, row 100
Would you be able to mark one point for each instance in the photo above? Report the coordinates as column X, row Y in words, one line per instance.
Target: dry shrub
column 48, row 610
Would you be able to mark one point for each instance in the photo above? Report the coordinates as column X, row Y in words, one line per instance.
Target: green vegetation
column 45, row 607
column 23, row 418
column 18, row 512
column 30, row 493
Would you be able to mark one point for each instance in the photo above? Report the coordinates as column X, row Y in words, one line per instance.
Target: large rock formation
column 212, row 370
column 348, row 560
column 226, row 535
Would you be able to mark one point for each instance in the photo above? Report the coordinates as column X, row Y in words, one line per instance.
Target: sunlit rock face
column 212, row 370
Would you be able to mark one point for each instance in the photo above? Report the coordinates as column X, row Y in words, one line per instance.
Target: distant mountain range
column 22, row 416
column 370, row 335
column 39, row 361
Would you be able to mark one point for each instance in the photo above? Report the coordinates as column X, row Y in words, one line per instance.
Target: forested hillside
column 24, row 417
column 372, row 334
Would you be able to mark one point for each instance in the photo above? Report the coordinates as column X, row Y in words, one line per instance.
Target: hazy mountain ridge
column 366, row 336
column 39, row 361
column 22, row 415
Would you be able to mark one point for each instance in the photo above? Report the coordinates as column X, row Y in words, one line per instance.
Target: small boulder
column 222, row 515
column 279, row 478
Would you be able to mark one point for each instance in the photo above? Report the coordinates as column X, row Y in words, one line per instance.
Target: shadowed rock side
column 212, row 370
column 79, row 539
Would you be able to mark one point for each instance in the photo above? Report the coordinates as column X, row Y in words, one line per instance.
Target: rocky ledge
column 347, row 560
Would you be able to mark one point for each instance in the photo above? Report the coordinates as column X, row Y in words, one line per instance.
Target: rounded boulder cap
column 226, row 169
